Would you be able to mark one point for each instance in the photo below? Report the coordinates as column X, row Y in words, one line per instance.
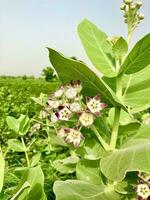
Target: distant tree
column 49, row 74
column 24, row 77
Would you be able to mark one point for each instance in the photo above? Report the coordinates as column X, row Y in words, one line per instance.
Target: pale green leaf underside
column 120, row 48
column 133, row 156
column 137, row 90
column 69, row 69
column 97, row 48
column 91, row 150
column 15, row 145
column 88, row 170
column 35, row 177
column 80, row 190
column 138, row 58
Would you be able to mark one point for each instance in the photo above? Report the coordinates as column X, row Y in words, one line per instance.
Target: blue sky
column 28, row 26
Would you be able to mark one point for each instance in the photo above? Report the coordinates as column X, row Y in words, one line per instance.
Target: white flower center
column 86, row 119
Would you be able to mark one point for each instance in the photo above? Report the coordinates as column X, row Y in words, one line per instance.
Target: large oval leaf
column 136, row 86
column 80, row 190
column 69, row 69
column 97, row 47
column 138, row 58
column 16, row 145
column 35, row 177
column 91, row 150
column 133, row 156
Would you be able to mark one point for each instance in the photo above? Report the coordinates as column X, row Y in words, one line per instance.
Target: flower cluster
column 131, row 14
column 143, row 188
column 66, row 105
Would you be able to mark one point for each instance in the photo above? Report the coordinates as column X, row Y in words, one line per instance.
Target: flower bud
column 75, row 107
column 132, row 6
column 58, row 93
column 71, row 93
column 128, row 1
column 141, row 16
column 122, row 7
column 139, row 3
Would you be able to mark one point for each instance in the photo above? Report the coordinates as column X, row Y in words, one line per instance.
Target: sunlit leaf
column 97, row 47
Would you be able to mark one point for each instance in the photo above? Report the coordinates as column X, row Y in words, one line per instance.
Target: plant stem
column 103, row 143
column 25, row 151
column 115, row 128
column 119, row 83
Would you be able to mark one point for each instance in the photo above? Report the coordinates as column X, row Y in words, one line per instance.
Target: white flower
column 64, row 114
column 78, row 86
column 53, row 104
column 75, row 107
column 43, row 114
column 86, row 119
column 95, row 105
column 144, row 176
column 71, row 93
column 62, row 132
column 143, row 191
column 75, row 137
column 35, row 127
column 54, row 117
column 58, row 93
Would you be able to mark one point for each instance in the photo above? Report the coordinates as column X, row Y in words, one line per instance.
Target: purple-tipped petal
column 61, row 107
column 97, row 114
column 140, row 198
column 57, row 115
column 103, row 105
column 79, row 113
column 72, row 83
column 79, row 82
column 76, row 143
column 97, row 98
column 67, row 130
column 87, row 99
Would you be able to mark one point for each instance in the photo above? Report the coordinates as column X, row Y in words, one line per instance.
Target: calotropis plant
column 109, row 164
column 97, row 117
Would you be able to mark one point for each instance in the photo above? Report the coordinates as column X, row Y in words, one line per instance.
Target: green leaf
column 24, row 124
column 88, row 170
column 128, row 131
column 133, row 156
column 24, row 186
column 15, row 145
column 143, row 132
column 35, row 177
column 136, row 86
column 124, row 117
column 97, row 47
column 69, row 69
column 2, row 167
column 138, row 58
column 91, row 150
column 35, row 159
column 120, row 48
column 66, row 165
column 41, row 100
column 12, row 123
column 80, row 190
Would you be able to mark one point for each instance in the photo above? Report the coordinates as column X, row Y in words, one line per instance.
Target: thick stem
column 103, row 143
column 25, row 151
column 115, row 128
